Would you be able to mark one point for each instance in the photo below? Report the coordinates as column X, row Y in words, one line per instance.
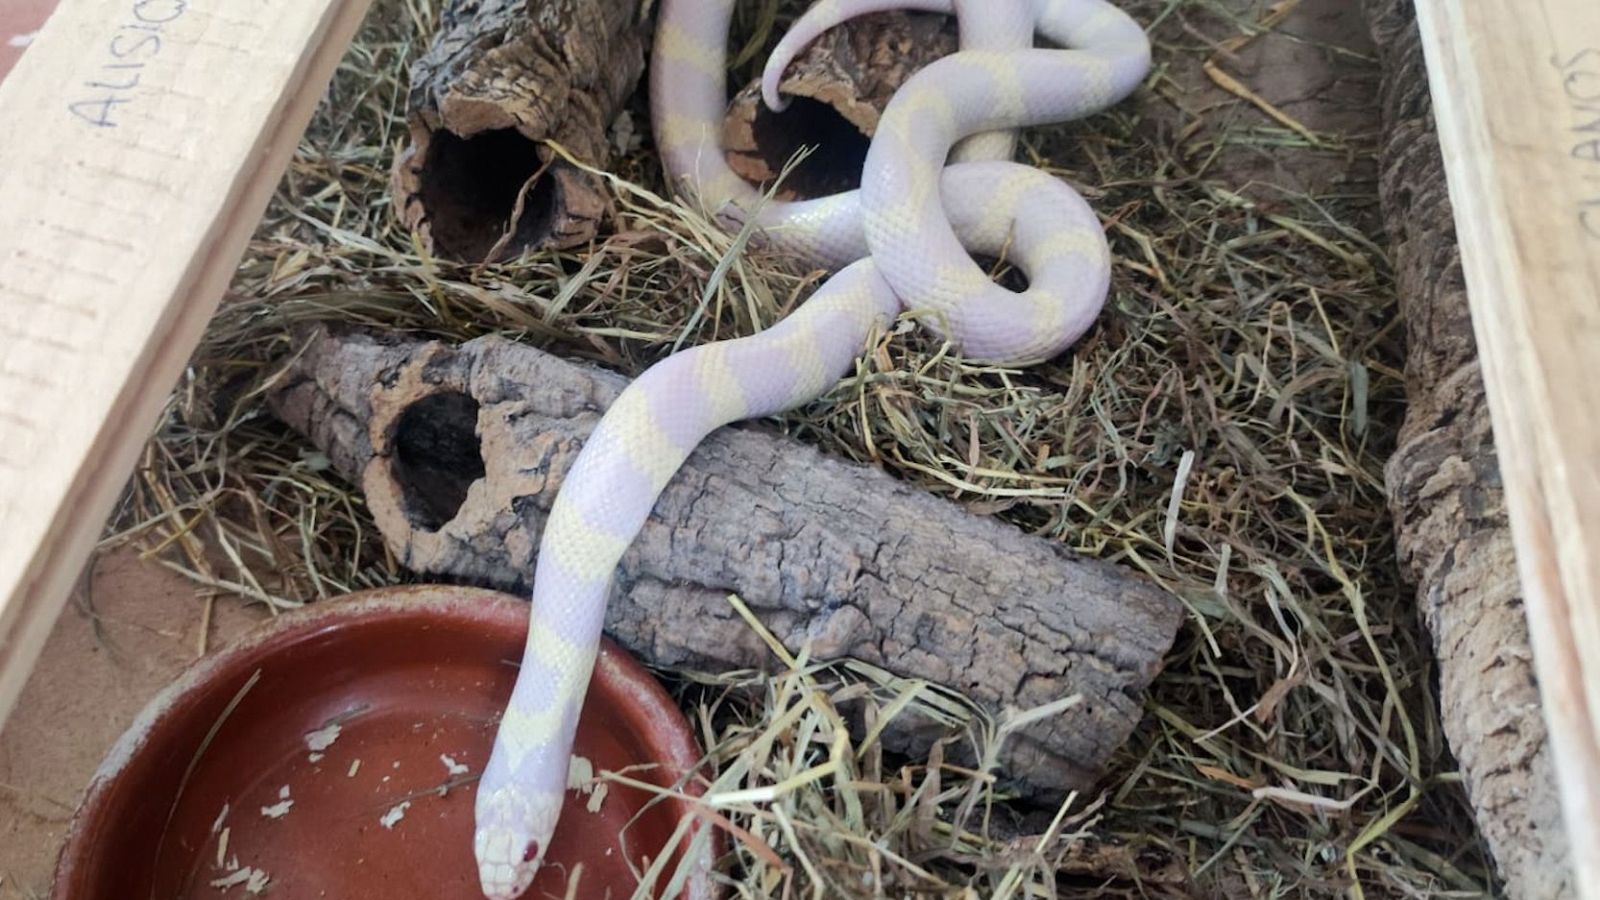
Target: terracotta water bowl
column 235, row 779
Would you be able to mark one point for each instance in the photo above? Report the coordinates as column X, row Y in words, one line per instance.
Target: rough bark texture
column 837, row 89
column 500, row 77
column 460, row 451
column 1445, row 494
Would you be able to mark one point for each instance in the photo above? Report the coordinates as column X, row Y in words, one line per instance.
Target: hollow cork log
column 1444, row 491
column 461, row 450
column 475, row 182
column 836, row 88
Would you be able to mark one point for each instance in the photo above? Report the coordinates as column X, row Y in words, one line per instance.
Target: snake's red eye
column 531, row 852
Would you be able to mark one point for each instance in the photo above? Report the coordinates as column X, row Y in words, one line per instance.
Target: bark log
column 475, row 181
column 837, row 89
column 460, row 451
column 1444, row 491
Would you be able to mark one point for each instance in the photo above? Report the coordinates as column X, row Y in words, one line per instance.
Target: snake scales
column 937, row 185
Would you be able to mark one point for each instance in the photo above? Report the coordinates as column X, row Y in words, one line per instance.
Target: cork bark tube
column 837, row 88
column 461, row 450
column 1449, row 509
column 476, row 181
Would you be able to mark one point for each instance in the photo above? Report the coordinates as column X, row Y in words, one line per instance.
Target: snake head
column 512, row 836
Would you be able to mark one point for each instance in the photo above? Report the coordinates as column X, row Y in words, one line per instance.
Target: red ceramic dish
column 198, row 799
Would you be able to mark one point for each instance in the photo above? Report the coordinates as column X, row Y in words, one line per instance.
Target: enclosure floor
column 87, row 688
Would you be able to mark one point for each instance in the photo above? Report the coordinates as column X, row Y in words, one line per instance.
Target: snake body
column 900, row 242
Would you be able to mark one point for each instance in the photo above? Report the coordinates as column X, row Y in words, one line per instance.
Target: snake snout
column 503, row 873
column 512, row 838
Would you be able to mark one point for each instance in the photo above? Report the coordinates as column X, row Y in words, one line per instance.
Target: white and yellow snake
column 901, row 242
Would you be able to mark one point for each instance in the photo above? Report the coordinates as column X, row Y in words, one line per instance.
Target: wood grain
column 1516, row 91
column 143, row 141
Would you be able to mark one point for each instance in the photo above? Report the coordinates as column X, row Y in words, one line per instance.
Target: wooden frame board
column 143, row 140
column 1516, row 93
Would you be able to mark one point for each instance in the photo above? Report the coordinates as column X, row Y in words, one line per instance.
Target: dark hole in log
column 469, row 187
column 838, row 148
column 437, row 457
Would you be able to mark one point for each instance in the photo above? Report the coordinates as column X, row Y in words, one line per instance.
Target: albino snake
column 902, row 241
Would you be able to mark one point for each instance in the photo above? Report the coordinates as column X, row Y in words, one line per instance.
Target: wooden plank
column 1516, row 90
column 143, row 141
